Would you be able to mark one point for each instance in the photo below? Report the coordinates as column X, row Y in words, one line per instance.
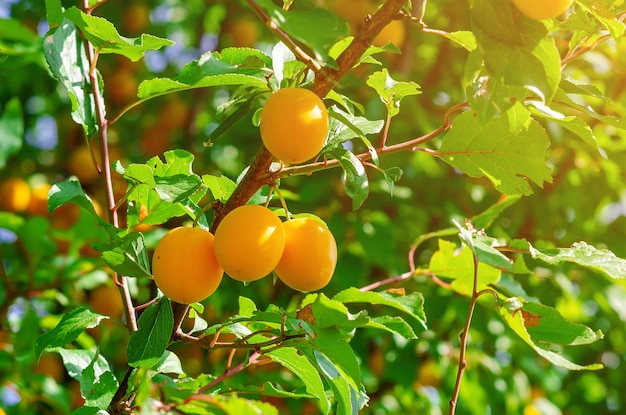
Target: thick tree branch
column 259, row 173
column 363, row 40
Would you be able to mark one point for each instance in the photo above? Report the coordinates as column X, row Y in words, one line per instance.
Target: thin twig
column 409, row 145
column 464, row 335
column 252, row 360
column 301, row 55
column 106, row 166
column 387, row 281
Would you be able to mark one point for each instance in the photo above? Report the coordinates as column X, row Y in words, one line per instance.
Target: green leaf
column 458, row 265
column 177, row 187
column 247, row 308
column 98, row 389
column 91, row 369
column 70, row 191
column 269, row 389
column 483, row 247
column 410, row 304
column 242, row 109
column 147, row 345
column 516, row 52
column 13, row 30
column 547, row 325
column 563, row 99
column 65, row 53
column 586, row 255
column 391, row 92
column 11, row 130
column 393, row 324
column 509, row 150
column 318, row 29
column 331, row 343
column 169, row 363
column 89, row 410
column 485, row 218
column 139, row 173
column 227, row 405
column 463, row 38
column 521, row 322
column 300, row 366
column 54, row 12
column 77, row 360
column 354, row 127
column 575, row 125
column 167, row 188
column 176, row 162
column 332, row 313
column 105, row 38
column 228, row 67
column 220, row 187
column 356, row 183
column 127, row 255
column 69, row 328
column 337, row 363
column 392, row 175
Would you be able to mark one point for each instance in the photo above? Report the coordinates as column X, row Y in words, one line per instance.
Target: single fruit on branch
column 294, row 125
column 184, row 266
column 310, row 255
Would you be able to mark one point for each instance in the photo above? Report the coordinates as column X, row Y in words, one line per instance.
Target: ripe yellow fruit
column 81, row 165
column 310, row 255
column 184, row 266
column 394, row 32
column 294, row 125
column 136, row 18
column 542, row 9
column 122, row 85
column 249, row 242
column 353, row 11
column 14, row 195
column 105, row 299
column 244, row 31
column 51, row 364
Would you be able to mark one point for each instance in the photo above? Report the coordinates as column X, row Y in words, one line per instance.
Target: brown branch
column 103, row 123
column 464, row 335
column 363, row 40
column 409, row 145
column 284, row 37
column 259, row 174
column 386, row 281
column 240, row 343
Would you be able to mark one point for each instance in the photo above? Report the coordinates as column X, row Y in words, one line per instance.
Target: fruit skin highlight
column 542, row 9
column 294, row 125
column 184, row 266
column 249, row 242
column 310, row 255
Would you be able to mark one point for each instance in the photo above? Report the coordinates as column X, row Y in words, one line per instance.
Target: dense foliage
column 473, row 179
